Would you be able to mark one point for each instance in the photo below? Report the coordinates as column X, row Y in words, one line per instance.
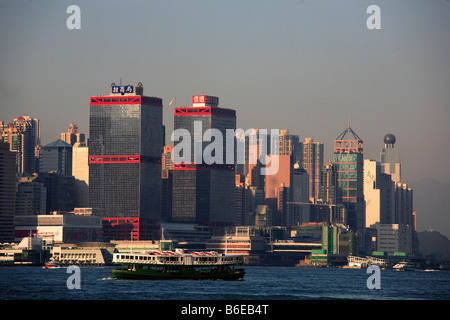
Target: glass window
column 336, row 157
column 352, row 175
column 353, row 184
column 352, row 157
column 344, row 167
column 343, row 175
column 352, row 167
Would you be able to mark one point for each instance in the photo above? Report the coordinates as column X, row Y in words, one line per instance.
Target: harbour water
column 260, row 283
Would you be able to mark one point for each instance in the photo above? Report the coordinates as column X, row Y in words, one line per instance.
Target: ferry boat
column 161, row 265
column 404, row 266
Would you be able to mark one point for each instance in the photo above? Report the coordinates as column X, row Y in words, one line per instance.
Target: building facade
column 313, row 163
column 125, row 144
column 56, row 157
column 7, row 192
column 203, row 190
column 348, row 158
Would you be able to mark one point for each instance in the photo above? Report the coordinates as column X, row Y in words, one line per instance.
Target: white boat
column 404, row 266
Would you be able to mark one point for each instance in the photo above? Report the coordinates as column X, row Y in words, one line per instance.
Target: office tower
column 390, row 158
column 329, row 184
column 277, row 190
column 7, row 192
column 203, row 191
column 378, row 194
column 348, row 157
column 57, row 157
column 31, row 198
column 73, row 135
column 60, row 190
column 403, row 204
column 80, row 171
column 23, row 135
column 313, row 163
column 300, row 194
column 125, row 144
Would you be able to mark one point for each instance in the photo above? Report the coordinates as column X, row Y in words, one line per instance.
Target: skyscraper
column 56, row 156
column 203, row 191
column 73, row 135
column 313, row 163
column 390, row 158
column 7, row 192
column 348, row 156
column 23, row 135
column 125, row 143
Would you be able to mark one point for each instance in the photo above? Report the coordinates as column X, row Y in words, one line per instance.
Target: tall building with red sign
column 203, row 191
column 125, row 162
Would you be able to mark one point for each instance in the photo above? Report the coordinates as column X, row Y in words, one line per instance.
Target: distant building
column 390, row 158
column 31, row 198
column 23, row 135
column 7, row 192
column 73, row 135
column 56, row 157
column 203, row 193
column 348, row 158
column 300, row 194
column 80, row 171
column 60, row 190
column 313, row 163
column 60, row 228
column 125, row 145
column 395, row 238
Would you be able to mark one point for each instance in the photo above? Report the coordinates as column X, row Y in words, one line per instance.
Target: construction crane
column 167, row 108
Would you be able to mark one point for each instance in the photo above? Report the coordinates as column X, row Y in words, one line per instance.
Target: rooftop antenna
column 348, row 120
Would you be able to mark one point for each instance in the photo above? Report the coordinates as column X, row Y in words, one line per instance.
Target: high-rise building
column 203, row 189
column 348, row 157
column 7, row 192
column 300, row 194
column 378, row 194
column 31, row 198
column 390, row 158
column 313, row 163
column 73, row 135
column 80, row 171
column 125, row 144
column 23, row 135
column 57, row 157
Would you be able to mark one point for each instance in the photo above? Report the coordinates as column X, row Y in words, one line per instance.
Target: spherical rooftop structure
column 389, row 139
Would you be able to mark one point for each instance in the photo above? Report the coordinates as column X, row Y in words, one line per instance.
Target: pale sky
column 297, row 65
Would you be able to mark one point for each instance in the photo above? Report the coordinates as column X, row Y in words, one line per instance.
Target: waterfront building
column 393, row 239
column 7, row 192
column 56, row 157
column 80, row 171
column 60, row 228
column 390, row 158
column 125, row 145
column 203, row 193
column 73, row 135
column 23, row 135
column 348, row 158
column 313, row 163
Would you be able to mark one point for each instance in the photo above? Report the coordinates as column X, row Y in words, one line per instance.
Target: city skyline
column 297, row 65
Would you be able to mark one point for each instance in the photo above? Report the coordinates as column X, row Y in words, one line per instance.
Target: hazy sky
column 297, row 65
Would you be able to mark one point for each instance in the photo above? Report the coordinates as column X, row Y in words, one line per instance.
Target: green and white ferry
column 162, row 265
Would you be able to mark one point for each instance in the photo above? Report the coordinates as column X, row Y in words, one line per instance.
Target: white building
column 80, row 170
column 393, row 238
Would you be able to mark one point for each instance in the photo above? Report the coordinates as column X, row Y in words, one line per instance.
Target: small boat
column 404, row 266
column 51, row 265
column 168, row 265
